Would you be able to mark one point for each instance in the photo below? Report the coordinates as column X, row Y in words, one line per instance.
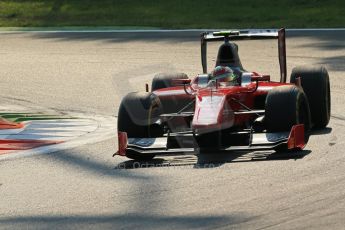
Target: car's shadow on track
column 326, row 130
column 210, row 160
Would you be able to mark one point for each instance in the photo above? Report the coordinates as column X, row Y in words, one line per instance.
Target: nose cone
column 212, row 113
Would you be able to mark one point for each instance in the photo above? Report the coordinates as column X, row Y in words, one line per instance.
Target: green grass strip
column 175, row 14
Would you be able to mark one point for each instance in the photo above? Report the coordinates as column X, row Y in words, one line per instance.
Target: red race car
column 229, row 109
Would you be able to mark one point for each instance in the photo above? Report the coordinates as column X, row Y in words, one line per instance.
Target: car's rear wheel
column 137, row 116
column 170, row 102
column 315, row 83
column 165, row 80
column 287, row 106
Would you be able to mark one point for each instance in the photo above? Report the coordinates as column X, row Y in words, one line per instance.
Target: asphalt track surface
column 85, row 187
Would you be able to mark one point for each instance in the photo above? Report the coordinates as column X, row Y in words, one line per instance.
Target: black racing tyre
column 137, row 117
column 164, row 80
column 315, row 83
column 287, row 106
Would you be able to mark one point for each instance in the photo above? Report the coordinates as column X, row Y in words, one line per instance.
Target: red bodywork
column 215, row 106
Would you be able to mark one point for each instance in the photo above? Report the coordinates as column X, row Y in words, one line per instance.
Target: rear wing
column 246, row 35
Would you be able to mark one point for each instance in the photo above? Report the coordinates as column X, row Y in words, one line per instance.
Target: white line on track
column 151, row 30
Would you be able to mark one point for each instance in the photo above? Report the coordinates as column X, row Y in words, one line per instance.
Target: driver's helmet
column 224, row 74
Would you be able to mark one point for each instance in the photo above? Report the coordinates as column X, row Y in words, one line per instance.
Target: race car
column 227, row 109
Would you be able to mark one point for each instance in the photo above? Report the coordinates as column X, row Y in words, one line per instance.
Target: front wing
column 186, row 143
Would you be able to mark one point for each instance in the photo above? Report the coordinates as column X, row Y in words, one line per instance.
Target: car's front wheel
column 287, row 106
column 137, row 116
